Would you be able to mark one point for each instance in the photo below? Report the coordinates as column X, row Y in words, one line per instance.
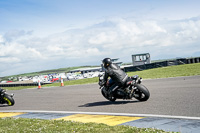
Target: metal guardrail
column 162, row 64
column 13, row 84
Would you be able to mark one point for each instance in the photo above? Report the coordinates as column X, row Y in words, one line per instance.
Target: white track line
column 104, row 113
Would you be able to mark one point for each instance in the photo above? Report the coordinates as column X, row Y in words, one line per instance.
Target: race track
column 171, row 96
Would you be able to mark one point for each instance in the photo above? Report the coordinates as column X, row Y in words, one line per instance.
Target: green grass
column 164, row 72
column 74, row 82
column 23, row 125
column 18, row 87
column 170, row 71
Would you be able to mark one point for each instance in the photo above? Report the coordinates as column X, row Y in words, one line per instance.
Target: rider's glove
column 102, row 83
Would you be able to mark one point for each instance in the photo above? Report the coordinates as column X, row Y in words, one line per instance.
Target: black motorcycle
column 6, row 98
column 133, row 88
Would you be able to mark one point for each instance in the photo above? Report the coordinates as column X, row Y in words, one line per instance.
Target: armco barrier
column 162, row 64
column 19, row 84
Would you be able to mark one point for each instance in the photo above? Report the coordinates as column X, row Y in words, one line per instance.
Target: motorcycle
column 133, row 88
column 6, row 98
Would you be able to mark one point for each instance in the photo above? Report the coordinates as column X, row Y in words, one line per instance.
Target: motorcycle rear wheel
column 9, row 100
column 143, row 92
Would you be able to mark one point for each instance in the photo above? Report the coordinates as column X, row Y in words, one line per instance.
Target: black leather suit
column 117, row 75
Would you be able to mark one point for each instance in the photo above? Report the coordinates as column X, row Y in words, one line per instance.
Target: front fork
column 134, row 91
column 4, row 93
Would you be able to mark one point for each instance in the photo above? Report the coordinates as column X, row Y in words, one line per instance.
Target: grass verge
column 170, row 71
column 19, row 125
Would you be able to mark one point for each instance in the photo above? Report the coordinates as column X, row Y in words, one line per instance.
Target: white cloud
column 9, row 60
column 112, row 38
column 16, row 34
column 1, row 39
column 103, row 37
column 189, row 30
column 92, row 52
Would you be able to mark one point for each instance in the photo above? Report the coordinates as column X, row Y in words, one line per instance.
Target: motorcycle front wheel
column 141, row 93
column 110, row 99
column 9, row 100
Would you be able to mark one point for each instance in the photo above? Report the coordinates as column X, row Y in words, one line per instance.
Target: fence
column 162, row 64
column 13, row 84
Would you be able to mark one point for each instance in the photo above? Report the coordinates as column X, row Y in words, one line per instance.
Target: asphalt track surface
column 170, row 97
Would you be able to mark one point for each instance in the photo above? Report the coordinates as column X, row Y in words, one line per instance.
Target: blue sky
column 38, row 35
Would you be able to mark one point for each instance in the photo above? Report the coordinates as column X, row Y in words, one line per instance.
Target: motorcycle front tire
column 9, row 100
column 110, row 99
column 144, row 92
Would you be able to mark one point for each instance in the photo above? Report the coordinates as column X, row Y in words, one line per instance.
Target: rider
column 115, row 73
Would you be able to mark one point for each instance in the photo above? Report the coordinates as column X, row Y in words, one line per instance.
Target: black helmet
column 106, row 62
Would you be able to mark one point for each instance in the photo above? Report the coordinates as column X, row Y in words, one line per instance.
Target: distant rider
column 118, row 76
